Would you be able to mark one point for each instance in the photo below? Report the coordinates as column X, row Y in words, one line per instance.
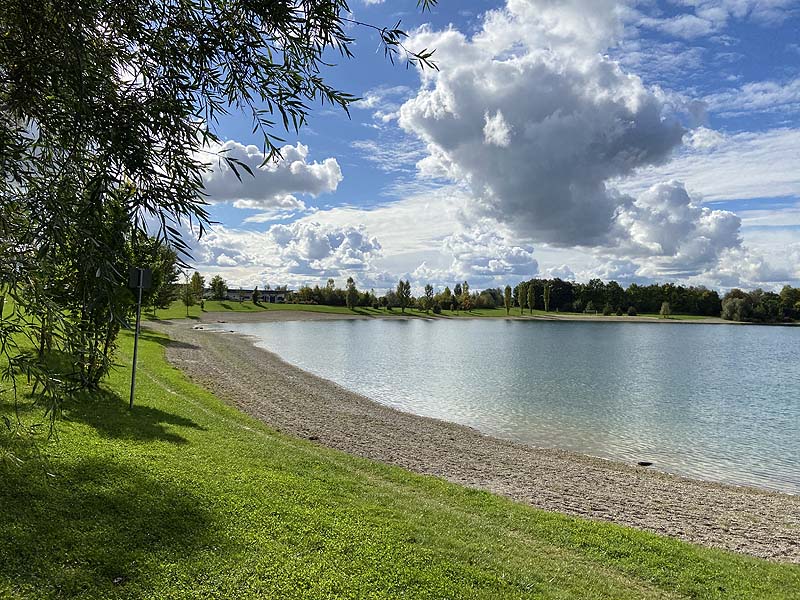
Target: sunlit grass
column 178, row 311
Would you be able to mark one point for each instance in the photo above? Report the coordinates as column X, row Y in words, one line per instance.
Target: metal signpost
column 138, row 279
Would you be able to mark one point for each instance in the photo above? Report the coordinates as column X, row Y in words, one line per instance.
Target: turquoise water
column 707, row 401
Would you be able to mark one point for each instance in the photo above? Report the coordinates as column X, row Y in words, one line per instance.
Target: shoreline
column 743, row 519
column 277, row 314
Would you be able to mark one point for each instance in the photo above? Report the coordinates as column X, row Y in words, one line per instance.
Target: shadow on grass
column 168, row 319
column 166, row 342
column 110, row 416
column 95, row 527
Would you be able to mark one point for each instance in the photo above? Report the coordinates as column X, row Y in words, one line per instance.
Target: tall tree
column 531, row 296
column 507, row 299
column 187, row 294
column 790, row 301
column 219, row 288
column 428, row 297
column 467, row 302
column 445, row 297
column 546, row 298
column 522, row 297
column 351, row 293
column 615, row 295
column 595, row 292
column 329, row 293
column 403, row 294
column 198, row 285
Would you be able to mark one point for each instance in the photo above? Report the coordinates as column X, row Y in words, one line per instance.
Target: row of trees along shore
column 557, row 295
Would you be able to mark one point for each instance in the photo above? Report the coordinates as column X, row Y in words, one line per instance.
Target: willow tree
column 109, row 117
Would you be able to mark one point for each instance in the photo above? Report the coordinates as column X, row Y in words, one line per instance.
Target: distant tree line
column 759, row 306
column 597, row 296
column 331, row 295
column 558, row 295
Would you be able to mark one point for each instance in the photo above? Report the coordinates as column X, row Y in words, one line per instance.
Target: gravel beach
column 746, row 520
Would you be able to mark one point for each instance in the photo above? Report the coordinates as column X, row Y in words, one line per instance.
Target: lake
column 713, row 402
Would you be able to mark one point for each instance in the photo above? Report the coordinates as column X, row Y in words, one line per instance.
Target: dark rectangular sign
column 140, row 278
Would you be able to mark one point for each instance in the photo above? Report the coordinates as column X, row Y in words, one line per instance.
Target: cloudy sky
column 638, row 141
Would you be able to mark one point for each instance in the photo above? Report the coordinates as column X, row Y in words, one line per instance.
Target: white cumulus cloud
column 309, row 248
column 680, row 236
column 577, row 120
column 538, row 126
column 496, row 131
column 275, row 183
column 485, row 255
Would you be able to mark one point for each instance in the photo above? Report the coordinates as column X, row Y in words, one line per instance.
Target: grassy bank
column 187, row 497
column 178, row 311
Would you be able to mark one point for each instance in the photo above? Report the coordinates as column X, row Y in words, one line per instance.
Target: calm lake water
column 707, row 401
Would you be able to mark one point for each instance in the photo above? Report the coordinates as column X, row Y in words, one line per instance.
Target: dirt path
column 746, row 520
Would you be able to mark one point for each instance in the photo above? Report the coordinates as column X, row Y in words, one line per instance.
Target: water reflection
column 715, row 402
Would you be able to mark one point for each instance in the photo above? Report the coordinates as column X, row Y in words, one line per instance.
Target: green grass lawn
column 680, row 317
column 515, row 312
column 186, row 497
column 178, row 311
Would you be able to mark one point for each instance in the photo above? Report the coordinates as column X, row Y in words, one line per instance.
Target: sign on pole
column 138, row 279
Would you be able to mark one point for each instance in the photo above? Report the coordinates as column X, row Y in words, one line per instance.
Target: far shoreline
column 273, row 313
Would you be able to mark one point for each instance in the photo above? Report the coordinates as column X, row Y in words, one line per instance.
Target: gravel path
column 293, row 401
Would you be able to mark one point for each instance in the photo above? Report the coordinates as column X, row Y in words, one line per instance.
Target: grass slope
column 185, row 497
column 178, row 311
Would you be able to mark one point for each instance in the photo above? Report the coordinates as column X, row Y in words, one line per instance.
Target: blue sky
column 641, row 141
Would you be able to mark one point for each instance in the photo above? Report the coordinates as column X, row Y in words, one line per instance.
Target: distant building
column 277, row 296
